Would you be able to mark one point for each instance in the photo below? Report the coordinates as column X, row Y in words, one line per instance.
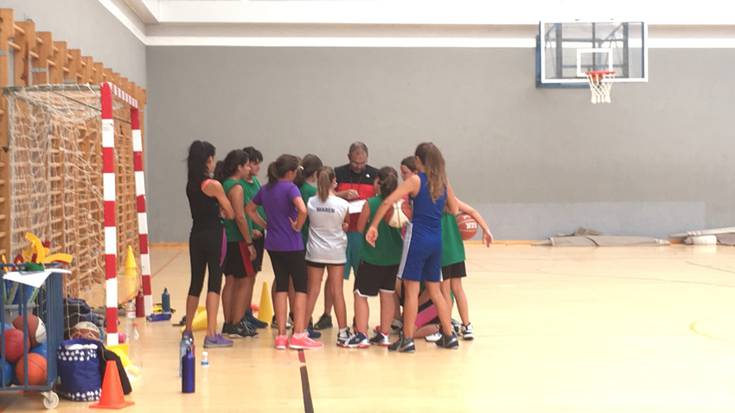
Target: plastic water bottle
column 188, row 372
column 130, row 309
column 166, row 301
column 205, row 359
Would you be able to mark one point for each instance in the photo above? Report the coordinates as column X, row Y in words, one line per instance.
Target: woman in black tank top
column 206, row 200
column 204, row 209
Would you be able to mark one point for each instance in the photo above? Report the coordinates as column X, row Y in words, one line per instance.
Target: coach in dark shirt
column 355, row 183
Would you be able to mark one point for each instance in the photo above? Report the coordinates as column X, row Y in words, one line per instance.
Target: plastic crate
column 46, row 303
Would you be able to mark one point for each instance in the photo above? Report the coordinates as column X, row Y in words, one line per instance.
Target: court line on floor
column 305, row 388
column 710, row 267
column 166, row 264
column 619, row 277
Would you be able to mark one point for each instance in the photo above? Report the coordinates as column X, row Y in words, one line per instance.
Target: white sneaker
column 343, row 337
column 433, row 338
column 467, row 332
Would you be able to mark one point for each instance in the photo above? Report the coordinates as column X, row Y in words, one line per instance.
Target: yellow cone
column 130, row 260
column 127, row 284
column 265, row 310
column 123, row 351
column 200, row 320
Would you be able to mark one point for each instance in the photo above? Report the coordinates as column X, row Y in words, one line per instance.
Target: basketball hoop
column 600, row 82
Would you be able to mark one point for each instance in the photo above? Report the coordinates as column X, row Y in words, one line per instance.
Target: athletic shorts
column 321, row 264
column 259, row 245
column 237, row 260
column 289, row 265
column 426, row 315
column 371, row 279
column 422, row 260
column 354, row 246
column 456, row 270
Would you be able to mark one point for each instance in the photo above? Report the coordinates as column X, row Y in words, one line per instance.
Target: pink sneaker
column 281, row 342
column 303, row 342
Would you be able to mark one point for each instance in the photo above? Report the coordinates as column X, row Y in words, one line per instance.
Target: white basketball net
column 600, row 82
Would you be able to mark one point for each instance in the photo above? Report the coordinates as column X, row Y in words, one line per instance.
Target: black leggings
column 289, row 265
column 205, row 250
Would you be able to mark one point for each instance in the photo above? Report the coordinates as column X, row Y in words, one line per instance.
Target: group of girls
column 222, row 240
column 300, row 221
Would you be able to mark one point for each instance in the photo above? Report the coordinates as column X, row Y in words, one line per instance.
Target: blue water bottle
column 166, row 301
column 187, row 342
column 182, row 352
column 188, row 365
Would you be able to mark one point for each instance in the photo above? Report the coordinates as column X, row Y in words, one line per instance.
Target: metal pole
column 626, row 51
column 559, row 51
column 109, row 189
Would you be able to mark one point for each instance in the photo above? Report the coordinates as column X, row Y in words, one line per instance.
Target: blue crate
column 47, row 304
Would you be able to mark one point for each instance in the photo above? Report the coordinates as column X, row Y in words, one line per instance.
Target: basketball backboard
column 566, row 51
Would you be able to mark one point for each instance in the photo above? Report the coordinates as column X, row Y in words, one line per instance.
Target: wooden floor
column 557, row 330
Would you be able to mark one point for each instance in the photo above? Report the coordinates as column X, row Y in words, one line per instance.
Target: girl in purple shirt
column 286, row 214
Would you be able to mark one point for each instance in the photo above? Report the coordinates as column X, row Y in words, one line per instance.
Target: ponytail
column 272, row 173
column 324, row 178
column 219, row 171
column 309, row 166
column 280, row 167
column 388, row 178
column 434, row 167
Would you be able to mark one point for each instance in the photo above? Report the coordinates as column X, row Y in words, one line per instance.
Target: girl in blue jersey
column 430, row 192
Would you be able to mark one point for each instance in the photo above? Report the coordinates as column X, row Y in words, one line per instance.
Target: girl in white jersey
column 326, row 247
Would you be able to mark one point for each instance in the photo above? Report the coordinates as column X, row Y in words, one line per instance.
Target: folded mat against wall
column 601, row 241
column 725, row 236
column 726, row 239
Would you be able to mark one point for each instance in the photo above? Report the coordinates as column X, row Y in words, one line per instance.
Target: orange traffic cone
column 112, row 391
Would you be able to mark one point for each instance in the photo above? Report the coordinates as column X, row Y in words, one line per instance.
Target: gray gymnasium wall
column 534, row 162
column 87, row 25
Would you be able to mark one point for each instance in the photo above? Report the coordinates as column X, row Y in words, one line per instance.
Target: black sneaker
column 456, row 326
column 358, row 340
column 274, row 323
column 313, row 334
column 380, row 339
column 403, row 345
column 324, row 322
column 243, row 329
column 446, row 341
column 229, row 330
column 249, row 325
column 250, row 318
